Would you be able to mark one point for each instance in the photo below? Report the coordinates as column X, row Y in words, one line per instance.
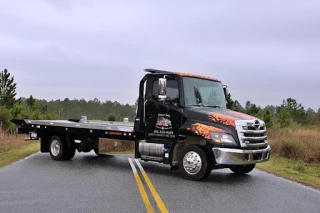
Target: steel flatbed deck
column 106, row 129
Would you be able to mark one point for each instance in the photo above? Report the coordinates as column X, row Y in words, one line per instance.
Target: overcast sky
column 265, row 51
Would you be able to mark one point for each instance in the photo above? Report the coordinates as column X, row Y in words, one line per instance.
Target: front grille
column 252, row 134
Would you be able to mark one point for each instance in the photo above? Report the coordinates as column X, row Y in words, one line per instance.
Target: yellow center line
column 154, row 193
column 143, row 192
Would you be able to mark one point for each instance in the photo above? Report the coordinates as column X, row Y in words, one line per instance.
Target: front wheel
column 242, row 169
column 194, row 163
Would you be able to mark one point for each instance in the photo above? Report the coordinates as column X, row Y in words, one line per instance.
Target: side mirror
column 225, row 89
column 162, row 92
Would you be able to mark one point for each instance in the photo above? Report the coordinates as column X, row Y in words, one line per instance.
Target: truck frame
column 181, row 120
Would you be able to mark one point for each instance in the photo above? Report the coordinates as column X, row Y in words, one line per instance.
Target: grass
column 295, row 155
column 299, row 171
column 8, row 141
column 11, row 155
column 296, row 144
column 14, row 148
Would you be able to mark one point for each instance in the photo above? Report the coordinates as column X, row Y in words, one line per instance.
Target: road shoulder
column 16, row 153
column 307, row 174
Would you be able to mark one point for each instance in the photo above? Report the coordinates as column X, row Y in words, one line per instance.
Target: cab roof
column 155, row 71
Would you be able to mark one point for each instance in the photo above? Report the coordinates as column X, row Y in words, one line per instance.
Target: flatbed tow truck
column 181, row 120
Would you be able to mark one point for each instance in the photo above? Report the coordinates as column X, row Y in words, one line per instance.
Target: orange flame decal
column 224, row 119
column 204, row 130
column 196, row 76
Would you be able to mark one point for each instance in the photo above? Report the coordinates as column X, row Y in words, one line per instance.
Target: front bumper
column 225, row 156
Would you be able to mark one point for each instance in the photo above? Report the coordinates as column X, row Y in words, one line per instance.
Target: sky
column 265, row 51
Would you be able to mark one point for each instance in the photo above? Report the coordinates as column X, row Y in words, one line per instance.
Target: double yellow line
column 162, row 207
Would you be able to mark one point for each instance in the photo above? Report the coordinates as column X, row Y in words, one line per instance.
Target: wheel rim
column 192, row 163
column 55, row 148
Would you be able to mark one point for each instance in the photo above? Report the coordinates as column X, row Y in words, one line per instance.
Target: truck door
column 163, row 118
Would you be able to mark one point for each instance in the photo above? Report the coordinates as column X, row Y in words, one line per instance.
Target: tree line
column 288, row 113
column 93, row 109
column 37, row 109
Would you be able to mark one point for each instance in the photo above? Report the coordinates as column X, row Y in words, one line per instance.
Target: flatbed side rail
column 32, row 130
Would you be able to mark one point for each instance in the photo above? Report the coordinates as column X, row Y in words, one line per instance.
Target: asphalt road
column 92, row 184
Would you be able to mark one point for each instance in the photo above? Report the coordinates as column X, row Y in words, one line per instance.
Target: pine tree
column 284, row 117
column 31, row 103
column 252, row 109
column 267, row 117
column 111, row 118
column 16, row 110
column 230, row 102
column 297, row 111
column 7, row 89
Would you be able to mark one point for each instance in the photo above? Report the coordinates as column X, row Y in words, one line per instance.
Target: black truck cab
column 186, row 116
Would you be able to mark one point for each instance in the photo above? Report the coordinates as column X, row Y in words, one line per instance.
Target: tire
column 56, row 148
column 242, row 169
column 194, row 163
column 209, row 168
column 70, row 149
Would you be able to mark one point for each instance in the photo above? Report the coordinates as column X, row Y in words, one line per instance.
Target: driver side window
column 172, row 91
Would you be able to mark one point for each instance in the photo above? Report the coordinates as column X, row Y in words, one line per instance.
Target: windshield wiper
column 214, row 106
column 198, row 105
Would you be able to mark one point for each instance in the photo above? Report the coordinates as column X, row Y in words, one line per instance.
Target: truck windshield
column 203, row 93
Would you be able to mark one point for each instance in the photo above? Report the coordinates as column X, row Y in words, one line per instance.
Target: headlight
column 222, row 138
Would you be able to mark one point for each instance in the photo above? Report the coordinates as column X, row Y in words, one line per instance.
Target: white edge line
column 139, row 165
column 132, row 166
column 290, row 181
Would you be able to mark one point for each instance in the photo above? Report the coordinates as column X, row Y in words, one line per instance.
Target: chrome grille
column 252, row 133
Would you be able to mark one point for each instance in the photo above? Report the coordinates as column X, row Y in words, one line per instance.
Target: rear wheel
column 242, row 169
column 56, row 148
column 194, row 163
column 70, row 149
